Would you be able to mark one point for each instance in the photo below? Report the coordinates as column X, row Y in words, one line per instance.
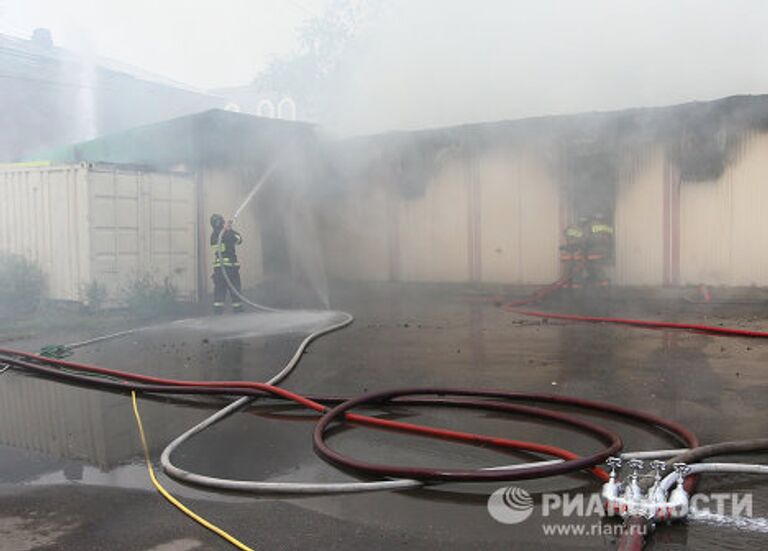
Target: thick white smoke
column 435, row 63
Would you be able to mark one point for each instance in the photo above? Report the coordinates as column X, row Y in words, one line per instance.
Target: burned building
column 483, row 203
column 487, row 203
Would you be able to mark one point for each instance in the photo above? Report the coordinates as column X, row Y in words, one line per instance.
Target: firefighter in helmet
column 223, row 242
column 572, row 254
column 599, row 249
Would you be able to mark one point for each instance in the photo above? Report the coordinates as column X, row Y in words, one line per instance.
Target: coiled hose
column 123, row 382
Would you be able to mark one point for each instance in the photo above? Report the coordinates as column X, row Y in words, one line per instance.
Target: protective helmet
column 217, row 221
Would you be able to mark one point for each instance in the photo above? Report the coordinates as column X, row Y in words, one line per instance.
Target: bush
column 22, row 285
column 95, row 295
column 146, row 297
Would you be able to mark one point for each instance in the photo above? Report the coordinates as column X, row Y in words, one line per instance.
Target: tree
column 307, row 76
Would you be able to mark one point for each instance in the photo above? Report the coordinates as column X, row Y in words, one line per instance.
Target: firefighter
column 572, row 254
column 225, row 258
column 599, row 249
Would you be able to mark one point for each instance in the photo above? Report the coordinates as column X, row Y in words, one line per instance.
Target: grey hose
column 272, row 487
column 653, row 454
column 735, row 468
column 101, row 339
column 260, row 486
column 279, row 487
column 723, row 448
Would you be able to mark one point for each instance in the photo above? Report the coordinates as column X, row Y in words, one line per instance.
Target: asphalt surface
column 72, row 476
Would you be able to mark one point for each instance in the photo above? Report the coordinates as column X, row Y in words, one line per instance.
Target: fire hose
column 73, row 372
column 107, row 379
column 114, row 380
column 336, row 410
column 124, row 382
column 649, row 324
column 547, row 290
column 634, row 538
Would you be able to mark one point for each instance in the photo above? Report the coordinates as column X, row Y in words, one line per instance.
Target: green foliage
column 146, row 297
column 22, row 285
column 324, row 41
column 57, row 351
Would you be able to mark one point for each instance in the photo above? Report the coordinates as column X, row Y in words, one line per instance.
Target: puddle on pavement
column 54, row 434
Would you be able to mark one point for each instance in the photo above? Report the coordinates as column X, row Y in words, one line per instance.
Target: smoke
column 293, row 260
column 308, row 264
column 433, row 63
column 85, row 101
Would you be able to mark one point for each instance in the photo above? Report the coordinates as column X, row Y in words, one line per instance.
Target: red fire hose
column 633, row 538
column 650, row 324
column 82, row 374
column 164, row 386
column 547, row 290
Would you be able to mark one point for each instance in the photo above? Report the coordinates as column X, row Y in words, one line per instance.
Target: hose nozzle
column 681, row 469
column 614, row 463
column 635, row 465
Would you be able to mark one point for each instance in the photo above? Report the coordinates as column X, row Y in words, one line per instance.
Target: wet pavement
column 72, row 476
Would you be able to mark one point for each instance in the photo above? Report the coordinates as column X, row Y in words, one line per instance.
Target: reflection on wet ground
column 70, row 460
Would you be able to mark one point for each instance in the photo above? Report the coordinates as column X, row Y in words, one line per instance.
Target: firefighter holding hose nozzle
column 223, row 242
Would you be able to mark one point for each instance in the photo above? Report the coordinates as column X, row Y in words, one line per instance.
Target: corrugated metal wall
column 68, row 422
column 55, row 419
column 43, row 217
column 705, row 232
column 639, row 220
column 520, row 219
column 357, row 231
column 723, row 223
column 493, row 217
column 675, row 232
column 433, row 229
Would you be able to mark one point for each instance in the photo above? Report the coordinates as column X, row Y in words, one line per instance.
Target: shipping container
column 105, row 224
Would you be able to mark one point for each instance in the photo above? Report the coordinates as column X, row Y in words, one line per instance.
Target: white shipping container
column 101, row 223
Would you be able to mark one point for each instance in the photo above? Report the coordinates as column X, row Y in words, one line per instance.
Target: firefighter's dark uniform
column 225, row 258
column 599, row 251
column 572, row 256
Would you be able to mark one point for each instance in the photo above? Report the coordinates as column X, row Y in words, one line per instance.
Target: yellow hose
column 175, row 502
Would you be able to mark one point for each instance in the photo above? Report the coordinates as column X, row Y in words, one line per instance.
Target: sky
column 203, row 43
column 452, row 62
column 425, row 63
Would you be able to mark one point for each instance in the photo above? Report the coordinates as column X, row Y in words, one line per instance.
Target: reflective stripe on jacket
column 574, row 232
column 224, row 253
column 598, row 228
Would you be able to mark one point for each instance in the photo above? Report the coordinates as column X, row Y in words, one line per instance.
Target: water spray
column 256, row 187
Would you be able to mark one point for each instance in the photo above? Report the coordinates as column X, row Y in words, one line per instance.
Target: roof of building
column 211, row 138
column 701, row 138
